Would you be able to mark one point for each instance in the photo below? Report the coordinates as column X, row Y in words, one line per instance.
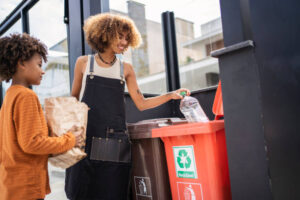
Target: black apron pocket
column 116, row 148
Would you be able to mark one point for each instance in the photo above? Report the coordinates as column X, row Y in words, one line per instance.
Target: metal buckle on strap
column 122, row 80
column 91, row 75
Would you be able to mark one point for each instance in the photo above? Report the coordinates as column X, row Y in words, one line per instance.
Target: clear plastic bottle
column 191, row 109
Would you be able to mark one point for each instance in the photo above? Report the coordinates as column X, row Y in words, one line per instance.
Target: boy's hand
column 77, row 130
column 79, row 141
column 79, row 137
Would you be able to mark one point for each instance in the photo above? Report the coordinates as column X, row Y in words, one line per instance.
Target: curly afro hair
column 18, row 47
column 103, row 29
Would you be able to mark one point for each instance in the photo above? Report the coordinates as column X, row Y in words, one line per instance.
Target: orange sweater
column 25, row 146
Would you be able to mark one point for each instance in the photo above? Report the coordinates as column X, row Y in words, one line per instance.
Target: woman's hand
column 176, row 94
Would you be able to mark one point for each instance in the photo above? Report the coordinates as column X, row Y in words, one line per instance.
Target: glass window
column 16, row 28
column 198, row 32
column 148, row 59
column 46, row 23
column 7, row 7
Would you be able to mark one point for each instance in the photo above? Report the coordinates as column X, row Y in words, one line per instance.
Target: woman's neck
column 108, row 56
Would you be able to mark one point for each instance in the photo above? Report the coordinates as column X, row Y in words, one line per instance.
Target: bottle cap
column 183, row 93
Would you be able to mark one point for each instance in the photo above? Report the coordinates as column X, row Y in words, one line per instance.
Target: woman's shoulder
column 81, row 62
column 128, row 68
column 127, row 65
column 82, row 59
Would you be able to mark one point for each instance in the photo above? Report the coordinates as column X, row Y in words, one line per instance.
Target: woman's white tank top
column 108, row 72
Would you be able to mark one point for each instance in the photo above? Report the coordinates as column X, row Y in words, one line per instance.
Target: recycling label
column 185, row 162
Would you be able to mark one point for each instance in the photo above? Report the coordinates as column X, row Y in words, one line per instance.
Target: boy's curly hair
column 103, row 29
column 18, row 47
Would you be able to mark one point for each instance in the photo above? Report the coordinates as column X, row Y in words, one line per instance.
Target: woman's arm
column 138, row 98
column 78, row 74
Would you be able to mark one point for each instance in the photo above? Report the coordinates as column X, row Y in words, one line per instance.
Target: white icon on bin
column 142, row 187
column 189, row 193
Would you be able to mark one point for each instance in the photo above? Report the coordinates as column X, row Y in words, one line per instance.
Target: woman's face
column 120, row 44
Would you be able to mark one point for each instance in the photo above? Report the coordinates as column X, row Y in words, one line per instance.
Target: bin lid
column 218, row 103
column 189, row 129
column 143, row 129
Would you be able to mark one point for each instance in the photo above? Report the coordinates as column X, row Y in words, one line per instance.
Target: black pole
column 170, row 51
column 73, row 19
column 259, row 69
column 247, row 156
column 25, row 21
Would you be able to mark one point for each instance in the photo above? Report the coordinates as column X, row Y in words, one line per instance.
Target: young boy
column 24, row 141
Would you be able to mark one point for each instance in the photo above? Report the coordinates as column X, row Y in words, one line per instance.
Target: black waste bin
column 149, row 177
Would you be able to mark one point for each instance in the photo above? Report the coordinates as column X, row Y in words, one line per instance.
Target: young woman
column 99, row 81
column 24, row 139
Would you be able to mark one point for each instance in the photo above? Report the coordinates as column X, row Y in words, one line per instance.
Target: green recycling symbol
column 183, row 160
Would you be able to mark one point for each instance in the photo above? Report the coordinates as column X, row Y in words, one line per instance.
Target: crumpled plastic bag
column 64, row 114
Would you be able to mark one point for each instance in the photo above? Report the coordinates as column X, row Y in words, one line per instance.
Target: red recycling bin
column 197, row 158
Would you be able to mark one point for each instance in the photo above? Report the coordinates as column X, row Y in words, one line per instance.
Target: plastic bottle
column 191, row 109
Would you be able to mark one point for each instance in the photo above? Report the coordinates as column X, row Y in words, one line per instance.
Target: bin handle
column 170, row 121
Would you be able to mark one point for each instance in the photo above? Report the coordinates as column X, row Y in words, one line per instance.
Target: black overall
column 93, row 179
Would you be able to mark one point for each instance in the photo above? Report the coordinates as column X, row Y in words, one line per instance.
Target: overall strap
column 91, row 66
column 122, row 70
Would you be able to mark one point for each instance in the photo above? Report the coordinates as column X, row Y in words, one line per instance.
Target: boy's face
column 33, row 72
column 121, row 44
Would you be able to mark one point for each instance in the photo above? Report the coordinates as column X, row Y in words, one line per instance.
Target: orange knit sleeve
column 32, row 131
column 1, row 134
